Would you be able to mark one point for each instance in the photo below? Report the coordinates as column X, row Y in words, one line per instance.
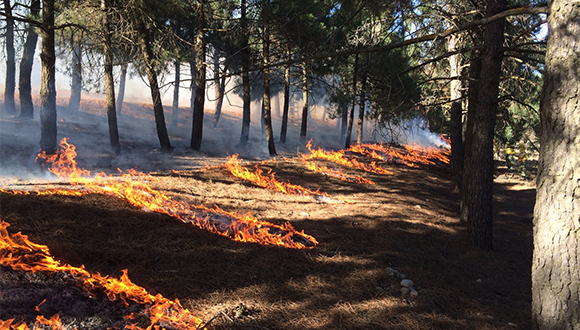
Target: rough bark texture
column 361, row 108
column 24, row 80
column 245, row 52
column 284, row 128
column 10, row 86
column 122, row 81
column 74, row 101
column 477, row 187
column 304, row 125
column 198, row 104
column 175, row 108
column 343, row 109
column 353, row 103
column 193, row 72
column 217, row 88
column 556, row 259
column 266, row 101
column 147, row 53
column 457, row 146
column 48, row 86
column 109, row 83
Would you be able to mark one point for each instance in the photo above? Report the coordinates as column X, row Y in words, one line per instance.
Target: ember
column 19, row 253
column 133, row 187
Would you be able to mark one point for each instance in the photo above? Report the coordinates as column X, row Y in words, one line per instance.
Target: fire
column 19, row 253
column 336, row 173
column 412, row 156
column 338, row 157
column 133, row 187
column 268, row 180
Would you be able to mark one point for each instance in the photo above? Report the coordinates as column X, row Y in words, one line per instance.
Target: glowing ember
column 133, row 187
column 338, row 157
column 19, row 253
column 268, row 180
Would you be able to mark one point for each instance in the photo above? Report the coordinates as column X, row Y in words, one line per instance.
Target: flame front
column 19, row 253
column 133, row 187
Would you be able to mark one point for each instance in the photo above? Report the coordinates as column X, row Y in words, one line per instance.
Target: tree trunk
column 343, row 108
column 198, row 104
column 48, row 86
column 145, row 44
column 220, row 87
column 477, row 187
column 10, row 86
column 351, row 114
column 266, row 100
column 175, row 108
column 246, row 98
column 556, row 259
column 24, row 80
column 122, row 81
column 361, row 108
column 284, row 128
column 303, row 126
column 457, row 148
column 74, row 101
column 109, row 83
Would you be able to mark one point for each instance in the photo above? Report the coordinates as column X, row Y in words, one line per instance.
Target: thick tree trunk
column 145, row 44
column 217, row 89
column 220, row 89
column 556, row 259
column 109, row 83
column 361, row 108
column 353, row 103
column 457, row 147
column 122, row 82
column 48, row 86
column 286, row 105
column 74, row 101
column 303, row 126
column 175, row 108
column 343, row 109
column 10, row 86
column 24, row 80
column 477, row 187
column 246, row 97
column 266, row 100
column 197, row 127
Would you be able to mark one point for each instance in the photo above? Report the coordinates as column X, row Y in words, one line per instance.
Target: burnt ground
column 407, row 221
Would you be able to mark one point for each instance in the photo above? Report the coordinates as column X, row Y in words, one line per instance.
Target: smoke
column 412, row 132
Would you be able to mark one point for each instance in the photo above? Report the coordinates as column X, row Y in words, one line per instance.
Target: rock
column 479, row 280
column 414, row 293
column 405, row 291
column 395, row 273
column 407, row 283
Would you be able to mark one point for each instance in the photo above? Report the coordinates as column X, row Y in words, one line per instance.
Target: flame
column 133, row 187
column 335, row 173
column 19, row 253
column 412, row 156
column 268, row 180
column 338, row 157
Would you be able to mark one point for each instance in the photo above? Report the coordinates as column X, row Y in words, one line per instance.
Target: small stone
column 407, row 283
column 479, row 280
column 512, row 324
column 405, row 291
column 414, row 293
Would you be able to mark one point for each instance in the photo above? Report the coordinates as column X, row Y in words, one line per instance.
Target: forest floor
column 406, row 223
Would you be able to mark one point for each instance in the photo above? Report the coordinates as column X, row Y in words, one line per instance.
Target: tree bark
column 24, row 80
column 175, row 108
column 477, row 186
column 246, row 97
column 77, row 76
column 353, row 103
column 193, row 72
column 266, row 101
column 197, row 127
column 303, row 126
column 48, row 128
column 343, row 109
column 10, row 86
column 122, row 81
column 457, row 147
column 109, row 83
column 284, row 126
column 220, row 86
column 556, row 258
column 145, row 44
column 361, row 108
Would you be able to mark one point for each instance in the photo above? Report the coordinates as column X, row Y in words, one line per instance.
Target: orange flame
column 19, row 253
column 133, row 187
column 268, row 180
column 338, row 157
column 336, row 173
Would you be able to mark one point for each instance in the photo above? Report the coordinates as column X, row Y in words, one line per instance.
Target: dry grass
column 407, row 221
